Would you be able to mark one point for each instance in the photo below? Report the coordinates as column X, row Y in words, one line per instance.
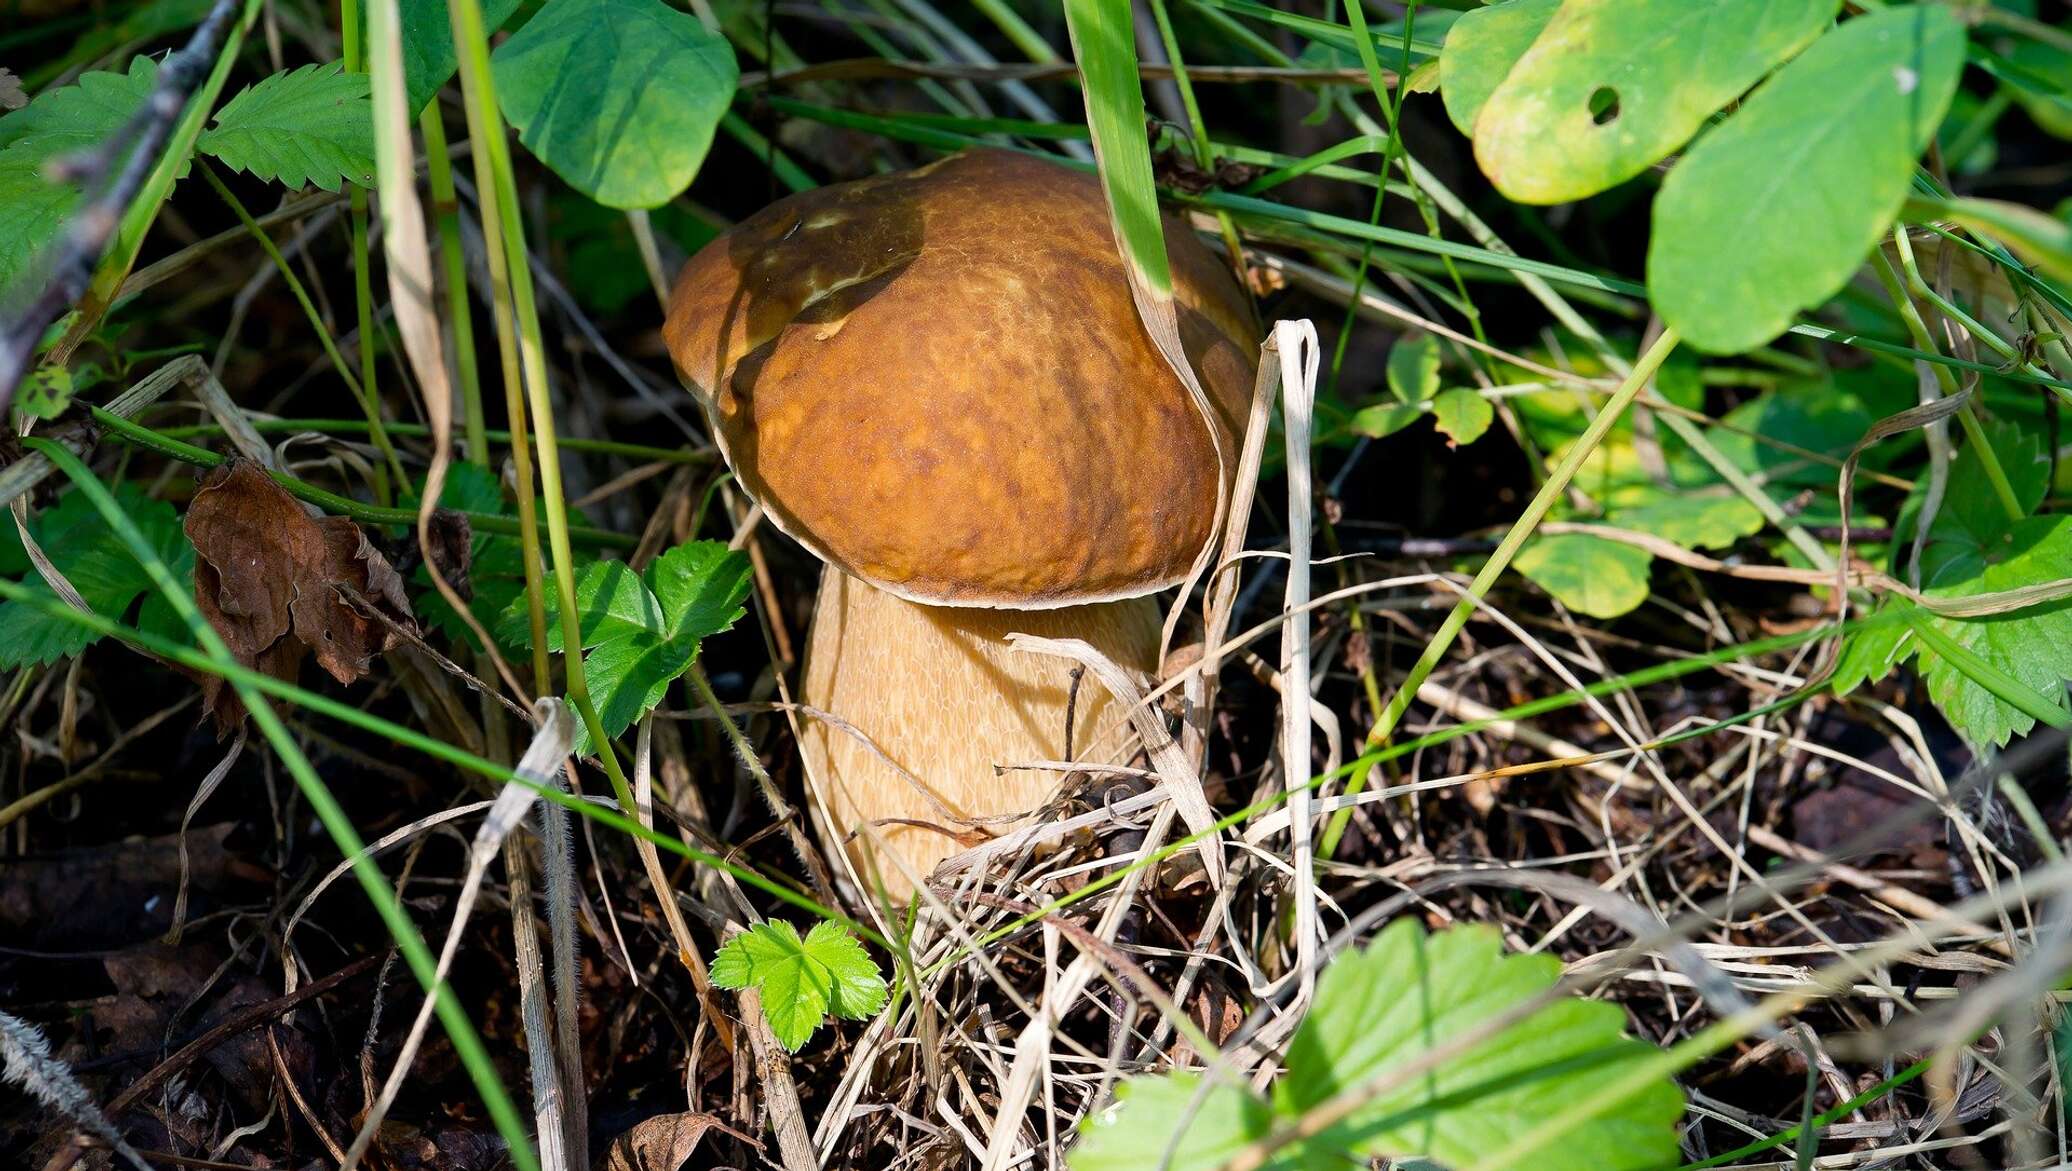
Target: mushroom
column 936, row 381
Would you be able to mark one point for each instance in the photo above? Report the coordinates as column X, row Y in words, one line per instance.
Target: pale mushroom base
column 938, row 691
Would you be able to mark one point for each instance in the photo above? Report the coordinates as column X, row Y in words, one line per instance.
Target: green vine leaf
column 1462, row 415
column 1590, row 575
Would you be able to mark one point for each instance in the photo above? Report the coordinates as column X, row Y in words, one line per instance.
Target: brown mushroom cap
column 937, row 381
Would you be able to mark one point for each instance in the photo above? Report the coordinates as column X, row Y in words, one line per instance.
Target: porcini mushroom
column 937, row 382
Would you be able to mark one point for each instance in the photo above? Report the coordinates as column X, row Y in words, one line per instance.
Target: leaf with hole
column 1612, row 86
column 312, row 126
column 1481, row 48
column 1771, row 212
column 619, row 97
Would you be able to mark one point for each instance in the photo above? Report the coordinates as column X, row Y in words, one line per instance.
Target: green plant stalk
column 138, row 435
column 460, row 322
column 1542, row 501
column 486, row 133
column 344, row 713
column 1017, row 30
column 1952, row 310
column 316, row 322
column 1910, row 316
column 493, row 150
column 1876, row 1092
column 467, row 1044
column 1204, row 151
column 354, row 54
column 675, row 455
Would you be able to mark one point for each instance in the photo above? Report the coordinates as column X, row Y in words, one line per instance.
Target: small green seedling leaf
column 1379, row 1010
column 1612, row 86
column 79, row 543
column 1414, row 368
column 641, row 631
column 1690, row 519
column 1462, row 415
column 1381, row 420
column 801, row 980
column 619, row 97
column 1481, row 48
column 312, row 126
column 1590, row 575
column 1750, row 228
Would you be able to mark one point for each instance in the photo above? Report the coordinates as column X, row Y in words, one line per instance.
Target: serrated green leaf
column 1462, row 415
column 2034, row 646
column 1972, row 521
column 1409, row 992
column 1413, row 368
column 1750, row 227
column 1172, row 1121
column 59, row 122
column 307, row 126
column 1589, row 575
column 858, row 989
column 612, row 602
column 801, row 980
column 701, row 587
column 80, row 545
column 496, row 567
column 619, row 97
column 1874, row 651
column 1612, row 86
column 1481, row 48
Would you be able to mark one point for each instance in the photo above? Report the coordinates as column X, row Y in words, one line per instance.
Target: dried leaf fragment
column 276, row 582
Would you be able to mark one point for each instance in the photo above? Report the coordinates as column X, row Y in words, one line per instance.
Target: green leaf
column 93, row 558
column 1105, row 46
column 858, row 989
column 2034, row 646
column 1462, row 415
column 1381, row 420
column 2050, row 65
column 619, row 97
column 1414, row 367
column 1589, row 575
column 1171, row 1121
column 1872, row 652
column 1972, row 514
column 640, row 631
column 1612, row 86
column 1693, row 520
column 801, row 980
column 427, row 31
column 496, row 569
column 45, row 393
column 1770, row 213
column 59, row 122
column 1481, row 48
column 1407, row 993
column 307, row 126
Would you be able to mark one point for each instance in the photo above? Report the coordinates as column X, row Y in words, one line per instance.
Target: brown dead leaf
column 275, row 582
column 662, row 1143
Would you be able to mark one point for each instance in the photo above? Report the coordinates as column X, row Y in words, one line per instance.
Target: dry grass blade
column 543, row 758
column 1294, row 345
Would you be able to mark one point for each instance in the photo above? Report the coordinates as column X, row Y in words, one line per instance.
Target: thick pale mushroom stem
column 938, row 691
